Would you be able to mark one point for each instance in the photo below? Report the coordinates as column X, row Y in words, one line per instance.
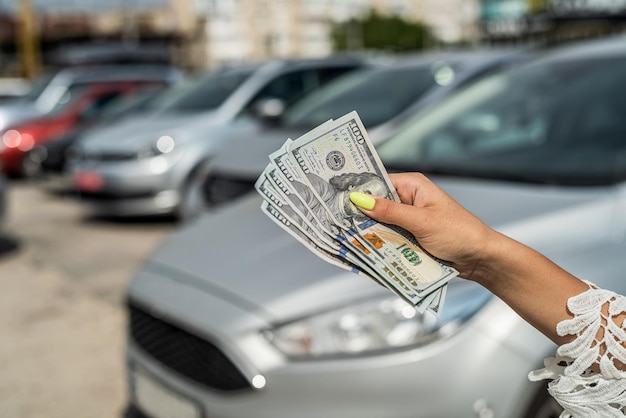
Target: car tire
column 31, row 163
column 543, row 405
column 192, row 198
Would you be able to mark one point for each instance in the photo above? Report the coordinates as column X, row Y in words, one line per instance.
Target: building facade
column 239, row 30
column 208, row 33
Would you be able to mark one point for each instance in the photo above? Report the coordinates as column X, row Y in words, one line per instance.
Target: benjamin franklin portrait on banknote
column 336, row 193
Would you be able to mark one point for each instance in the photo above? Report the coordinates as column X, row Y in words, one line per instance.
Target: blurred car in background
column 20, row 153
column 156, row 164
column 229, row 317
column 50, row 89
column 50, row 158
column 3, row 201
column 384, row 97
column 12, row 88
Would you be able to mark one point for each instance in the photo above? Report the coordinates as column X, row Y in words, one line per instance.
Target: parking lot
column 62, row 322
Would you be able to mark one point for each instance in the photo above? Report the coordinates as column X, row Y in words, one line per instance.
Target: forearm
column 532, row 285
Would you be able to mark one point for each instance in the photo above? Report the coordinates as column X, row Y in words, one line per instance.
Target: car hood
column 137, row 131
column 238, row 251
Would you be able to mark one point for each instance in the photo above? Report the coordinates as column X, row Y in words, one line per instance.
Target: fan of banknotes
column 306, row 188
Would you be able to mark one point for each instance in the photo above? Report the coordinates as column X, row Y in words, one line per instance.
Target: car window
column 202, row 93
column 291, row 86
column 378, row 95
column 69, row 95
column 95, row 107
column 128, row 103
column 551, row 122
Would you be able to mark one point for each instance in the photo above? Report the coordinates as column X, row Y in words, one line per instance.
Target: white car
column 232, row 318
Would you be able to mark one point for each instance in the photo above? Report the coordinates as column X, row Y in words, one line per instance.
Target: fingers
column 412, row 187
column 387, row 211
column 416, row 192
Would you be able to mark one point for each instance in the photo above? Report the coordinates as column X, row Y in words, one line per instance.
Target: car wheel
column 31, row 163
column 544, row 405
column 192, row 199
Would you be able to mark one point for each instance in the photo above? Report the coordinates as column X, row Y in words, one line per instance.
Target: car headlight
column 375, row 325
column 165, row 144
column 15, row 139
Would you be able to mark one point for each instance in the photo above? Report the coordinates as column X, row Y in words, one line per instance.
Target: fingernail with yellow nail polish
column 362, row 200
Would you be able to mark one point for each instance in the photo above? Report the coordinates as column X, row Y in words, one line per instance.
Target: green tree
column 380, row 32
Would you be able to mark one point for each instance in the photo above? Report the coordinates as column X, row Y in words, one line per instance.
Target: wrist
column 495, row 260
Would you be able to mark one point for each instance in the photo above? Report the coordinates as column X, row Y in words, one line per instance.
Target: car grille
column 109, row 156
column 184, row 353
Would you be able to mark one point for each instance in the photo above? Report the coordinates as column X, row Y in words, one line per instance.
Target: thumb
column 386, row 211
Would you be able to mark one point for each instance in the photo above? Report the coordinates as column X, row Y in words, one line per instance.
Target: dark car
column 384, row 97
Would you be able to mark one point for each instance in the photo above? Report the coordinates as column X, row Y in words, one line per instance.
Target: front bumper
column 136, row 187
column 460, row 376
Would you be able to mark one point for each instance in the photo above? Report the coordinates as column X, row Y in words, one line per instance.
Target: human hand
column 440, row 224
column 535, row 287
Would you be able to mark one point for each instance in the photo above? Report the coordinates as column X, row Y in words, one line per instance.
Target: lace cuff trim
column 598, row 344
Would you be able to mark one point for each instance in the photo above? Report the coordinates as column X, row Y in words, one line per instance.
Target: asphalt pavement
column 62, row 318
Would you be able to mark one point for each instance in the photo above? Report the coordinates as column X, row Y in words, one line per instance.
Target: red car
column 80, row 104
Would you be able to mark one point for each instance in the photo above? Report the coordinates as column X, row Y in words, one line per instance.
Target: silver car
column 385, row 97
column 156, row 164
column 230, row 317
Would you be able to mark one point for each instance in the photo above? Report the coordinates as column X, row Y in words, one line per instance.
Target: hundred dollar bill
column 316, row 173
column 402, row 252
column 431, row 299
column 284, row 216
column 435, row 304
column 310, row 226
column 338, row 160
column 372, row 265
column 386, row 275
column 283, row 205
column 281, row 220
column 267, row 191
column 290, row 221
column 290, row 179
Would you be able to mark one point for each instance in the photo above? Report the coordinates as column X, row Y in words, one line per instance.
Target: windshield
column 378, row 95
column 126, row 104
column 201, row 93
column 551, row 122
column 68, row 98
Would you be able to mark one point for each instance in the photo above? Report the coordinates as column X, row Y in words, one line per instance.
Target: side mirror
column 270, row 111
